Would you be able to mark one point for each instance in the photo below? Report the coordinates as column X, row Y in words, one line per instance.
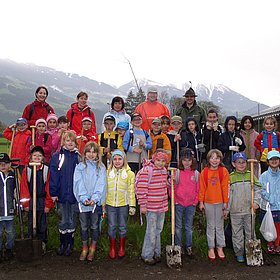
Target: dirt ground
column 53, row 267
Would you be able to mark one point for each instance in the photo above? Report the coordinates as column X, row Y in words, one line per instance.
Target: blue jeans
column 67, row 222
column 188, row 212
column 90, row 221
column 117, row 216
column 151, row 246
column 10, row 233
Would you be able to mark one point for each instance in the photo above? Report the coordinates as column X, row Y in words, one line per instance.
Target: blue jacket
column 89, row 183
column 62, row 167
column 272, row 179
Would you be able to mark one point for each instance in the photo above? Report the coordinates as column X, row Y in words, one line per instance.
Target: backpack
column 221, row 174
column 140, row 172
column 178, row 175
column 45, row 173
column 32, row 107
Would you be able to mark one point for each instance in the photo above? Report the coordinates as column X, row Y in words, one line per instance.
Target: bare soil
column 53, row 267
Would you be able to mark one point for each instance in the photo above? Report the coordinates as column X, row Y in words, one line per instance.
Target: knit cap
column 123, row 125
column 52, row 117
column 159, row 155
column 41, row 121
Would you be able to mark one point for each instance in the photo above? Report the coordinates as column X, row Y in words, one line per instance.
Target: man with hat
column 151, row 108
column 190, row 109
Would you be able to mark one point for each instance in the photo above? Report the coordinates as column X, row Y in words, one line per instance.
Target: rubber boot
column 62, row 247
column 91, row 251
column 70, row 243
column 121, row 252
column 84, row 252
column 112, row 253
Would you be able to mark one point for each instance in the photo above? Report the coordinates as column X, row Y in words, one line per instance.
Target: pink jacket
column 187, row 190
column 55, row 139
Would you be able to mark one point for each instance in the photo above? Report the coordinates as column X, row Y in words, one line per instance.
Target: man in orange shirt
column 151, row 108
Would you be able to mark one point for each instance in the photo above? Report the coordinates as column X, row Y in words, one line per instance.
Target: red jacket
column 149, row 111
column 25, row 194
column 75, row 116
column 40, row 141
column 91, row 137
column 19, row 144
column 41, row 110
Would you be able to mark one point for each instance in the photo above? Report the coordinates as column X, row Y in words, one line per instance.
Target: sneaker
column 189, row 252
column 271, row 249
column 44, row 248
column 240, row 259
column 149, row 261
column 157, row 259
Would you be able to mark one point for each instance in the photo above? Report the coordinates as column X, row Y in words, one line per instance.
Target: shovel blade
column 253, row 250
column 24, row 250
column 173, row 256
column 37, row 249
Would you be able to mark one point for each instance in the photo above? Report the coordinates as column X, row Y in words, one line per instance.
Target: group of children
column 92, row 175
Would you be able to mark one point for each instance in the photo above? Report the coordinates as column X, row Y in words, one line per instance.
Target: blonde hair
column 96, row 149
column 71, row 135
column 111, row 165
column 210, row 154
column 272, row 119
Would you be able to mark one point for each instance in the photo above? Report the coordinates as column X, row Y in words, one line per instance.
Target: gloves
column 238, row 141
column 132, row 211
column 234, row 148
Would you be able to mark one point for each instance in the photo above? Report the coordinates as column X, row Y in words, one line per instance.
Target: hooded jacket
column 120, row 187
column 41, row 110
column 89, row 183
column 7, row 187
column 75, row 116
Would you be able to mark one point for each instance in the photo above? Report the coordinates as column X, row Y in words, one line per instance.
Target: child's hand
column 54, row 199
column 26, row 209
column 83, row 138
column 234, row 148
column 47, row 210
column 132, row 211
column 137, row 150
column 31, row 147
column 225, row 206
column 91, row 203
column 143, row 211
column 106, row 150
column 141, row 143
column 201, row 206
column 177, row 138
column 226, row 215
column 87, row 202
column 256, row 206
column 12, row 125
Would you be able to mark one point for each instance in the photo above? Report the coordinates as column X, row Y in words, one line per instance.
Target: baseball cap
column 4, row 158
column 156, row 120
column 152, row 89
column 21, row 120
column 176, row 119
column 272, row 154
column 136, row 115
column 123, row 125
column 109, row 118
column 239, row 155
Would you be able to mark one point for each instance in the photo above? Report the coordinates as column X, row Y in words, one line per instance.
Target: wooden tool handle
column 33, row 134
column 12, row 142
column 34, row 200
column 172, row 206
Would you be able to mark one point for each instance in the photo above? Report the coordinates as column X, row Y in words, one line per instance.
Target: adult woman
column 39, row 108
column 117, row 111
column 78, row 111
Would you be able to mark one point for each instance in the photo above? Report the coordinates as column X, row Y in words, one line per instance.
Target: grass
column 4, row 145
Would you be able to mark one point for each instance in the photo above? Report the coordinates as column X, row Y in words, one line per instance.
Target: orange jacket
column 216, row 189
column 149, row 111
column 165, row 144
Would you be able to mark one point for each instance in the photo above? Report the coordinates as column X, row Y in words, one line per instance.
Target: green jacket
column 195, row 112
column 240, row 192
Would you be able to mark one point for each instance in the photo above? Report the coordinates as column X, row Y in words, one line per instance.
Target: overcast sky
column 235, row 43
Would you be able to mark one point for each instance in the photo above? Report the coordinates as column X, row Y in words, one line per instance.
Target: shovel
column 23, row 246
column 37, row 244
column 173, row 252
column 253, row 247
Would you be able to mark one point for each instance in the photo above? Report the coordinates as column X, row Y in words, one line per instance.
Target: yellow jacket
column 120, row 187
column 115, row 141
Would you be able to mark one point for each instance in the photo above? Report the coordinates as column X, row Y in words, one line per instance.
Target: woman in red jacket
column 39, row 108
column 78, row 111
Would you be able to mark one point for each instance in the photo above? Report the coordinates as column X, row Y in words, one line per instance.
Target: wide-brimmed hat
column 190, row 92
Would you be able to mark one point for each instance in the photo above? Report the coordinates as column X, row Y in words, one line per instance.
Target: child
column 213, row 199
column 230, row 142
column 63, row 125
column 21, row 137
column 211, row 132
column 240, row 202
column 267, row 140
column 89, row 189
column 42, row 138
column 43, row 199
column 62, row 168
column 7, row 211
column 176, row 135
column 136, row 143
column 270, row 180
column 120, row 200
column 121, row 128
column 115, row 142
column 194, row 140
column 165, row 124
column 186, row 198
column 159, row 139
column 151, row 192
column 87, row 134
column 52, row 129
column 249, row 135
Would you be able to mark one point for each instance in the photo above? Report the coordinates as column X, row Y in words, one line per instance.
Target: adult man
column 190, row 109
column 151, row 108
